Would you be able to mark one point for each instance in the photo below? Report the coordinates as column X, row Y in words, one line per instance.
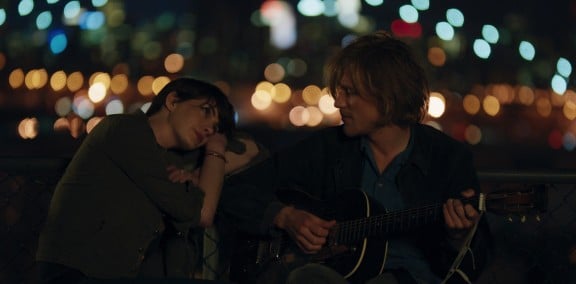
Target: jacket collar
column 420, row 150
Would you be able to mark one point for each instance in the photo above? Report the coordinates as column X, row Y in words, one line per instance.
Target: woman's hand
column 217, row 142
column 178, row 175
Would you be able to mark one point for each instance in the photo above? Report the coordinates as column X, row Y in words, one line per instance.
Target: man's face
column 359, row 111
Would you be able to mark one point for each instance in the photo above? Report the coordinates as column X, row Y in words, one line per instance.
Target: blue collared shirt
column 382, row 187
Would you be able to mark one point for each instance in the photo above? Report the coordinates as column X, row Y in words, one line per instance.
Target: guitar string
column 354, row 230
column 357, row 229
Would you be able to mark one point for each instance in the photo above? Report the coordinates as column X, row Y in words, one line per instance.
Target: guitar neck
column 387, row 224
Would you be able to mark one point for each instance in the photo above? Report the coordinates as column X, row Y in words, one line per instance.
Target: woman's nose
column 211, row 129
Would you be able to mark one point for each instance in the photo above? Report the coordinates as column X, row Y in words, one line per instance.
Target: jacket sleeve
column 477, row 255
column 131, row 146
column 248, row 200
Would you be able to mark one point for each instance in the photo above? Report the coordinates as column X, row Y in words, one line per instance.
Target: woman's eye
column 207, row 110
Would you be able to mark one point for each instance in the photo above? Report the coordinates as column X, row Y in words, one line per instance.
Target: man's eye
column 351, row 92
column 347, row 91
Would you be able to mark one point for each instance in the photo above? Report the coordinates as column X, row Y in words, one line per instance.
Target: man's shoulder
column 437, row 139
column 331, row 135
column 432, row 133
column 328, row 139
column 332, row 132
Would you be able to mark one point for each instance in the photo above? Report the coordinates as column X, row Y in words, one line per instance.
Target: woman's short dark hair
column 190, row 88
column 383, row 67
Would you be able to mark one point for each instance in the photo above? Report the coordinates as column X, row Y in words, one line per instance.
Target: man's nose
column 339, row 101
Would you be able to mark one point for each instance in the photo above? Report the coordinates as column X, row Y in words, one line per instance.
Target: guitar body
column 365, row 258
column 266, row 260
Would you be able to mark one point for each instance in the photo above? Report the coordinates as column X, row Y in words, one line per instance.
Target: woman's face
column 193, row 122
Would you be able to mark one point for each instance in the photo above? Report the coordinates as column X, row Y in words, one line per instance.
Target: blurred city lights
column 299, row 116
column 261, row 100
column 311, row 94
column 491, row 105
column 471, row 104
column 2, row 16
column 81, row 60
column 315, row 118
column 564, row 67
column 63, row 106
column 44, row 20
column 482, row 48
column 25, row 7
column 455, row 17
column 326, row 104
column 28, row 128
column 114, row 106
column 444, row 31
column 280, row 16
column 311, row 8
column 408, row 14
column 436, row 105
column 436, row 56
column 490, row 34
column 58, row 80
column 281, row 93
column 421, row 5
column 527, row 50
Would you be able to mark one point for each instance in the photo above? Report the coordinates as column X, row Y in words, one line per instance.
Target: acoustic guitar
column 356, row 246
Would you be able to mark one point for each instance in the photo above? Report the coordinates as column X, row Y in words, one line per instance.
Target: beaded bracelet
column 217, row 155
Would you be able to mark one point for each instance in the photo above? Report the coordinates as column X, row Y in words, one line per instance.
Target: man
column 125, row 196
column 383, row 152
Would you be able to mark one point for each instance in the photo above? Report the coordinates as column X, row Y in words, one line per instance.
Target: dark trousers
column 53, row 273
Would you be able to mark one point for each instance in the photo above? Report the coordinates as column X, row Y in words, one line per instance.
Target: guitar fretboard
column 384, row 225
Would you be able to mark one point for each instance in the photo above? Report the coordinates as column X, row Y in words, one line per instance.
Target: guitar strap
column 465, row 248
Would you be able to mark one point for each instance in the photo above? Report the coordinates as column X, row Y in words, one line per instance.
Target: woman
column 126, row 195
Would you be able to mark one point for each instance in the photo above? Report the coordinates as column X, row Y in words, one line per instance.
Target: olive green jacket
column 113, row 200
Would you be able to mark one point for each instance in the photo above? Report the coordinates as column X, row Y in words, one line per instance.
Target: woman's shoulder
column 125, row 120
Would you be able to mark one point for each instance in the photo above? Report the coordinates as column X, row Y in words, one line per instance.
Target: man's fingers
column 471, row 212
column 309, row 243
column 455, row 214
column 469, row 193
column 459, row 208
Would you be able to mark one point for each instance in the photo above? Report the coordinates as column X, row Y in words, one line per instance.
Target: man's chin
column 348, row 131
